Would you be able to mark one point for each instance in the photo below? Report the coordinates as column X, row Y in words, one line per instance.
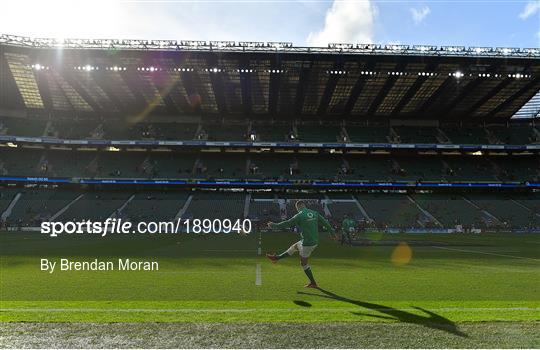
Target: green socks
column 309, row 274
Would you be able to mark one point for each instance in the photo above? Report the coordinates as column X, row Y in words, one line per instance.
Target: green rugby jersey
column 347, row 224
column 308, row 221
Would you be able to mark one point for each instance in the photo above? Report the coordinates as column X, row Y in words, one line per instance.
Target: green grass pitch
column 454, row 285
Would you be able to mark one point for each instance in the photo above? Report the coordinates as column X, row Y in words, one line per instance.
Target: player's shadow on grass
column 432, row 320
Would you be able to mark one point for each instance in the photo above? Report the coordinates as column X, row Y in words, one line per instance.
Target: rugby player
column 307, row 221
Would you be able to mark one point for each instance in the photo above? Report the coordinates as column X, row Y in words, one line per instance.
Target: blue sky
column 317, row 22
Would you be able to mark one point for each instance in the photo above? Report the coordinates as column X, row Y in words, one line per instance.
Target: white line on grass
column 245, row 310
column 258, row 275
column 486, row 253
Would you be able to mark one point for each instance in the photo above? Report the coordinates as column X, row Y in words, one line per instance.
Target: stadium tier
column 402, row 211
column 31, row 162
column 393, row 139
column 153, row 206
column 66, row 129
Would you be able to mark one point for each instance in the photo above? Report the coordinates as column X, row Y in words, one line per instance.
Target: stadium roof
column 229, row 79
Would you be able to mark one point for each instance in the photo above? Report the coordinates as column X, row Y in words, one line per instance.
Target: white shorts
column 304, row 251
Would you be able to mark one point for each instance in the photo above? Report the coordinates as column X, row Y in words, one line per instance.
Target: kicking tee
column 308, row 221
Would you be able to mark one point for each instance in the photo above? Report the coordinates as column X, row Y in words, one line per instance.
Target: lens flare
column 402, row 254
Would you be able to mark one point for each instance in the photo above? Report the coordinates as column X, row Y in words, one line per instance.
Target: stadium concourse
column 397, row 137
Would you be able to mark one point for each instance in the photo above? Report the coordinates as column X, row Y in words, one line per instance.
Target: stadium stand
column 264, row 208
column 287, row 166
column 95, row 205
column 340, row 209
column 471, row 169
column 309, row 166
column 266, row 132
column 367, row 134
column 36, row 205
column 6, row 196
column 450, row 209
column 376, row 168
column 224, row 132
column 273, row 132
column 423, row 168
column 319, row 133
column 411, row 134
column 22, row 126
column 221, row 166
column 518, row 168
column 171, row 165
column 516, row 135
column 222, row 205
column 79, row 129
column 154, row 206
column 68, row 164
column 466, row 135
column 392, row 210
column 171, row 131
column 506, row 211
column 271, row 166
column 404, row 155
column 10, row 161
column 531, row 202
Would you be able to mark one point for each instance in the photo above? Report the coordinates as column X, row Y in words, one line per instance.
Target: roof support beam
column 446, row 85
column 273, row 92
column 357, row 89
column 447, row 109
column 84, row 95
column 273, row 86
column 170, row 107
column 217, row 85
column 489, row 96
column 301, row 90
column 45, row 92
column 54, row 77
column 187, row 80
column 133, row 82
column 383, row 92
column 245, row 86
column 329, row 88
column 508, row 102
column 103, row 84
column 413, row 89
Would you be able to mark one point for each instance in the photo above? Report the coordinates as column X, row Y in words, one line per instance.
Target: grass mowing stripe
column 486, row 253
column 202, row 310
column 521, row 335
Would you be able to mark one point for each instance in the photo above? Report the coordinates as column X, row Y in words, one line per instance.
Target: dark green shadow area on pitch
column 302, row 303
column 432, row 320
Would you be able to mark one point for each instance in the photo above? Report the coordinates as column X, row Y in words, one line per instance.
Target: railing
column 271, row 47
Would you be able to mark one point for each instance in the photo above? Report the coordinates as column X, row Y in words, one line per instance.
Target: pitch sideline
column 486, row 253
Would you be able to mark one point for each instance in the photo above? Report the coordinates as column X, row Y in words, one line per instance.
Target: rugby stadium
column 433, row 151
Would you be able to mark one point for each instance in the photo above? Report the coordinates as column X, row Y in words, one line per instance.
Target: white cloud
column 530, row 9
column 346, row 22
column 418, row 15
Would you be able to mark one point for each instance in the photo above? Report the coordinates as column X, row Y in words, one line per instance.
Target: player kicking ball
column 308, row 222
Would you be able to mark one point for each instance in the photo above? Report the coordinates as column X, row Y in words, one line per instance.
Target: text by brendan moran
column 97, row 265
